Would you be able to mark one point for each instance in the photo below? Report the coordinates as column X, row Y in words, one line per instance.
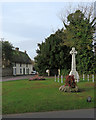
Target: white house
column 22, row 64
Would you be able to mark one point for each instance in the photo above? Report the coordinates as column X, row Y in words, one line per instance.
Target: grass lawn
column 32, row 96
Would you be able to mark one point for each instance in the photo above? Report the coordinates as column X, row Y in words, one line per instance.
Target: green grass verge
column 22, row 96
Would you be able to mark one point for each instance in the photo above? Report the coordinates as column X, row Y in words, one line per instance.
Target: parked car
column 34, row 72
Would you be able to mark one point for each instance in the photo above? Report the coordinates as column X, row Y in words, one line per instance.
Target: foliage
column 70, row 81
column 79, row 31
column 7, row 53
column 7, row 50
column 65, row 71
column 52, row 54
column 86, row 61
column 79, row 34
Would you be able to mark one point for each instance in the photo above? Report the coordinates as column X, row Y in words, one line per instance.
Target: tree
column 52, row 54
column 79, row 34
column 78, row 30
column 6, row 52
column 86, row 9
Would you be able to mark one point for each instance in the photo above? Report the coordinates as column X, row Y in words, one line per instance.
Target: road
column 82, row 113
column 11, row 78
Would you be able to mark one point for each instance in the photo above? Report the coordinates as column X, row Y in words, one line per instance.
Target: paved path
column 82, row 113
column 9, row 78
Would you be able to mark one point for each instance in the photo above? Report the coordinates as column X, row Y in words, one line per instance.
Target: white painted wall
column 23, row 68
column 30, row 68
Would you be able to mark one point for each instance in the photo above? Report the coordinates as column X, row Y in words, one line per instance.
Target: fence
column 61, row 79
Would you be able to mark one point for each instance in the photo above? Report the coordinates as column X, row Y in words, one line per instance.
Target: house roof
column 21, row 57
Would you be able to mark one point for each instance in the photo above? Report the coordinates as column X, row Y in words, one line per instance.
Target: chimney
column 17, row 49
column 25, row 52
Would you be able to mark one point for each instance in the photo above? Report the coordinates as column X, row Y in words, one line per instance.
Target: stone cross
column 73, row 71
column 73, row 52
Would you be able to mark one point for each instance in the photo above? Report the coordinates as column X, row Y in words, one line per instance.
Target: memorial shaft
column 73, row 71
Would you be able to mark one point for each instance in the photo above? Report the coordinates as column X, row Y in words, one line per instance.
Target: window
column 14, row 71
column 15, row 64
column 27, row 71
column 20, row 71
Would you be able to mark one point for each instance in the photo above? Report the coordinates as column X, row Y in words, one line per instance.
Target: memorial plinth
column 73, row 71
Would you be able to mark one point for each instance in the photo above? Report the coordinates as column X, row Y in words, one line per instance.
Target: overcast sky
column 25, row 24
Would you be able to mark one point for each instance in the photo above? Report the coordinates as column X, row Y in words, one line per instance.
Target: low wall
column 7, row 72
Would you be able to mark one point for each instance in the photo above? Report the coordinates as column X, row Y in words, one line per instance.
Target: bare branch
column 87, row 10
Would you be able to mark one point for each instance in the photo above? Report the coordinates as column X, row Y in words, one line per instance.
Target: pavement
column 11, row 78
column 81, row 113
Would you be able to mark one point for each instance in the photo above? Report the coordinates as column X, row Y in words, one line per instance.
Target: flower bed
column 36, row 77
column 70, row 84
column 70, row 81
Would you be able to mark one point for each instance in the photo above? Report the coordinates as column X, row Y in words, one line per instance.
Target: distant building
column 21, row 64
